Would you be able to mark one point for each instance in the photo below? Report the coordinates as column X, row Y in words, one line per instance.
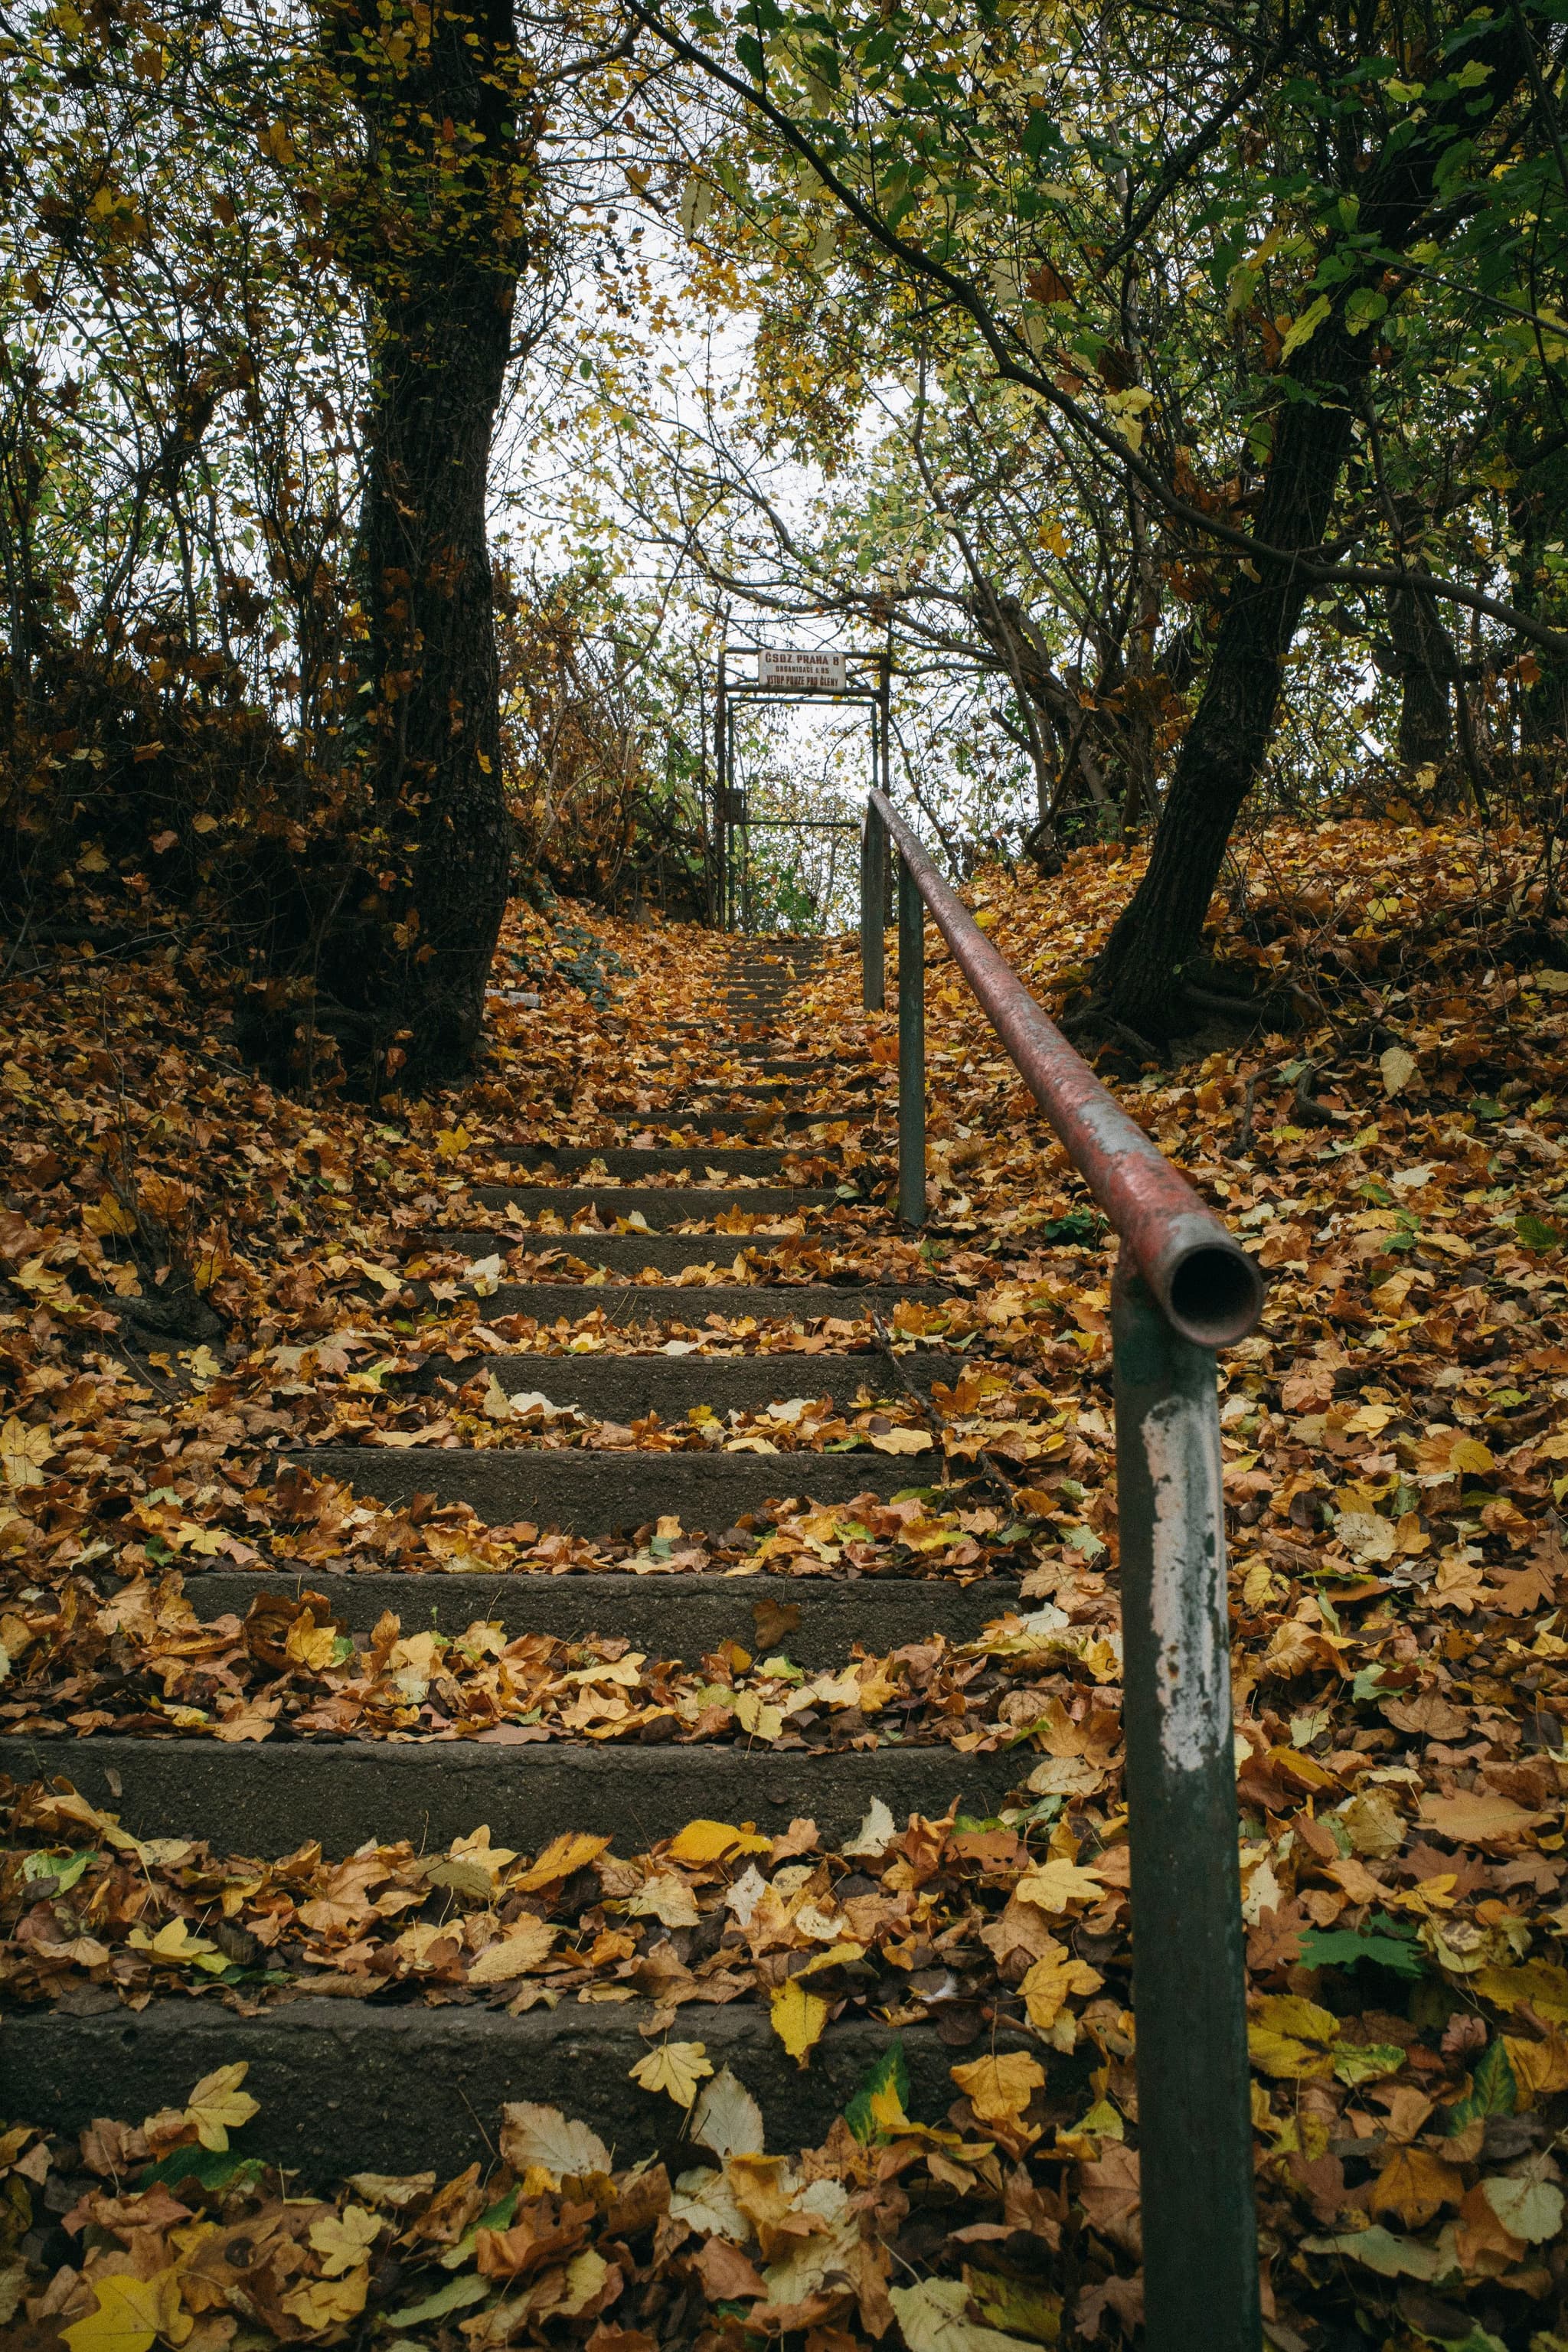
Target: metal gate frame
column 728, row 870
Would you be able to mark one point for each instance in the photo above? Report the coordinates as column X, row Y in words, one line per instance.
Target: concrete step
column 763, row 1089
column 680, row 1615
column 624, row 1388
column 629, row 1255
column 651, row 1159
column 800, row 1065
column 340, row 2082
column 759, row 1056
column 611, row 1492
column 738, row 1107
column 662, row 1208
column 776, row 1076
column 700, row 1120
column 264, row 1797
column 661, row 1304
column 722, row 1031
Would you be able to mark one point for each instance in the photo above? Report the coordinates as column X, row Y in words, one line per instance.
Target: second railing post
column 1189, row 1980
column 873, row 911
column 912, row 1049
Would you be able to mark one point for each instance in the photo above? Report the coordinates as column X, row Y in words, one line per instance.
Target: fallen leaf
column 218, row 2105
column 666, row 1897
column 798, row 2018
column 1397, row 1067
column 1381, row 2250
column 524, row 1945
column 999, row 2089
column 676, row 2067
column 1414, row 2184
column 328, row 2303
column 543, row 2136
column 727, row 2118
column 344, row 2239
column 1473, row 1817
column 703, row 1841
column 561, row 1858
column 932, row 2317
column 131, row 2314
column 876, row 1833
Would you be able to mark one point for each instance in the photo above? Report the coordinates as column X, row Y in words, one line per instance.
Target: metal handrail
column 1182, row 1288
column 1208, row 1286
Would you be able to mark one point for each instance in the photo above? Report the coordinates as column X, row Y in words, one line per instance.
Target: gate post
column 1195, row 2119
column 911, row 1050
column 873, row 911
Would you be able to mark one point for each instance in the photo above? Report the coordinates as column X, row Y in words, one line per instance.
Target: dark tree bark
column 1535, row 511
column 1137, row 984
column 439, row 249
column 1426, row 662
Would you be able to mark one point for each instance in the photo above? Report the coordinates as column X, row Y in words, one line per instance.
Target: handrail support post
column 1195, row 2120
column 912, row 1049
column 873, row 911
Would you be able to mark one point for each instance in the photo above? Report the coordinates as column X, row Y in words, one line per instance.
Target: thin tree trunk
column 1137, row 984
column 1427, row 662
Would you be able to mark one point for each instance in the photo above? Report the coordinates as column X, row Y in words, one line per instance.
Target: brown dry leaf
column 1414, row 2185
column 1108, row 2190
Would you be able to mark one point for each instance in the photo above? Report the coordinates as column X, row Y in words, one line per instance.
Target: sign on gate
column 801, row 673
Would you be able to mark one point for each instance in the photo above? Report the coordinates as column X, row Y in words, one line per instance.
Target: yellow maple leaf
column 1415, row 2185
column 328, row 2302
column 1046, row 1987
column 754, row 1715
column 343, row 2239
column 308, row 1644
column 1056, row 1885
column 132, row 2314
column 999, row 2089
column 704, row 1841
column 675, row 2067
column 571, row 1851
column 798, row 2018
column 22, row 1453
column 174, row 1941
column 218, row 2105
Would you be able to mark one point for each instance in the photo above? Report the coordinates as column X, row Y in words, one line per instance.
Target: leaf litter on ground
column 1396, row 1463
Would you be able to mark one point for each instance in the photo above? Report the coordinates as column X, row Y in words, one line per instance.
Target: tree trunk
column 1137, row 982
column 1427, row 660
column 409, row 954
column 1534, row 512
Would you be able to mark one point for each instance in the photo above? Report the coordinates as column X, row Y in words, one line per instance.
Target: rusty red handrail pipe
column 1203, row 1279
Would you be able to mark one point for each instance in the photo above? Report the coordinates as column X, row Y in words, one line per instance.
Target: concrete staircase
column 351, row 2085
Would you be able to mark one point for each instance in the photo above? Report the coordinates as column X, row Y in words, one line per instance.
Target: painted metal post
column 722, row 787
column 912, row 1049
column 1195, row 2122
column 873, row 911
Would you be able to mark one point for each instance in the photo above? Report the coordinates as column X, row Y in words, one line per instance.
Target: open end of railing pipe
column 1208, row 1286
